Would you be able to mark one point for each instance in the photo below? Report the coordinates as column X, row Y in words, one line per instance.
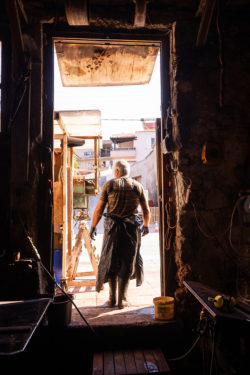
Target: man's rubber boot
column 122, row 293
column 112, row 291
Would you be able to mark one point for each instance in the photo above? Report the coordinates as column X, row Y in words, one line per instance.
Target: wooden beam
column 77, row 12
column 88, row 137
column 65, row 209
column 140, row 13
column 95, row 163
column 16, row 32
column 206, row 18
column 20, row 3
column 70, row 200
column 200, row 8
column 62, row 125
column 81, row 283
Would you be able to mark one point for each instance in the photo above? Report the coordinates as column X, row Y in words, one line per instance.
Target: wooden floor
column 93, row 305
column 130, row 362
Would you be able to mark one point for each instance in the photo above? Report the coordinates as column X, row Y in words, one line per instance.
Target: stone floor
column 141, row 312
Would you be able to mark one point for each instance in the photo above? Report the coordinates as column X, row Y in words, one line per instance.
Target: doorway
column 127, row 132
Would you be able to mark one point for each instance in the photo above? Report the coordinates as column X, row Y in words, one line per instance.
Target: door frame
column 50, row 33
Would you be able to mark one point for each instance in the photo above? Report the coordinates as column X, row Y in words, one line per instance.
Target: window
column 150, row 143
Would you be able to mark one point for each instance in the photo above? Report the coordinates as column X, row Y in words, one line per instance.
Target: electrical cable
column 23, row 80
column 68, row 296
column 202, row 230
column 230, row 230
column 212, row 354
column 38, row 259
column 185, row 354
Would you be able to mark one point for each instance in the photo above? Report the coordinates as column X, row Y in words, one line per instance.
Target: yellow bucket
column 164, row 308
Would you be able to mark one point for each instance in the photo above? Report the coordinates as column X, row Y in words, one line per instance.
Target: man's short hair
column 123, row 167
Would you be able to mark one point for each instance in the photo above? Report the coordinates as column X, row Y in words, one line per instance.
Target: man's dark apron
column 120, row 254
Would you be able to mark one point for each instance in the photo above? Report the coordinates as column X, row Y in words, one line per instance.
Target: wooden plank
column 205, row 22
column 151, row 363
column 65, row 207
column 69, row 203
column 108, row 363
column 140, row 362
column 90, row 248
column 82, row 274
column 70, row 199
column 81, row 283
column 119, row 362
column 130, row 362
column 161, row 360
column 160, row 169
column 140, row 13
column 95, row 162
column 97, row 364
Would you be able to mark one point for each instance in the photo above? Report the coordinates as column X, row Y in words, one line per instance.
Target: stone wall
column 210, row 106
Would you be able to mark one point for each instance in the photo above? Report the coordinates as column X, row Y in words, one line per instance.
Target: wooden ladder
column 73, row 261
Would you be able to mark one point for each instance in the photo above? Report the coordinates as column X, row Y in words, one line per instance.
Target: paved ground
column 141, row 311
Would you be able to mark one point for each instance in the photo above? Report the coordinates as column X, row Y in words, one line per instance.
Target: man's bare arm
column 145, row 213
column 98, row 213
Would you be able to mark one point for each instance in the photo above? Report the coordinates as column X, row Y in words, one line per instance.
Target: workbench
column 202, row 293
column 225, row 332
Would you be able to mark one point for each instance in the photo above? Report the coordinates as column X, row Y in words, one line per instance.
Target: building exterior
column 123, row 147
column 145, row 172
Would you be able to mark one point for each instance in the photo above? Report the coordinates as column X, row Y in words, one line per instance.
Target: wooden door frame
column 51, row 33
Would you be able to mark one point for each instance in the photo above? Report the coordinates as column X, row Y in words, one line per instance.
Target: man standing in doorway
column 120, row 259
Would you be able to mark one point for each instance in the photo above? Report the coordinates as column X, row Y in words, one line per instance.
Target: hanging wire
column 188, row 352
column 247, row 256
column 203, row 231
column 21, row 88
column 212, row 353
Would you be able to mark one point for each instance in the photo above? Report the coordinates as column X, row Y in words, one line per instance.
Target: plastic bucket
column 164, row 308
column 60, row 311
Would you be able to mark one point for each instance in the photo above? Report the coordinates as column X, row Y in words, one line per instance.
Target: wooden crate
column 130, row 361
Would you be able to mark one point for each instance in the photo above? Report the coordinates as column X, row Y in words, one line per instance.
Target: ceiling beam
column 77, row 12
column 140, row 13
column 206, row 17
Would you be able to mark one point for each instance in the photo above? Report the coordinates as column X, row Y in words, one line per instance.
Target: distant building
column 145, row 140
column 123, row 147
column 145, row 172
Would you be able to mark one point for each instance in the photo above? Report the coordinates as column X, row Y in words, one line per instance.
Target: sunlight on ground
column 138, row 296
